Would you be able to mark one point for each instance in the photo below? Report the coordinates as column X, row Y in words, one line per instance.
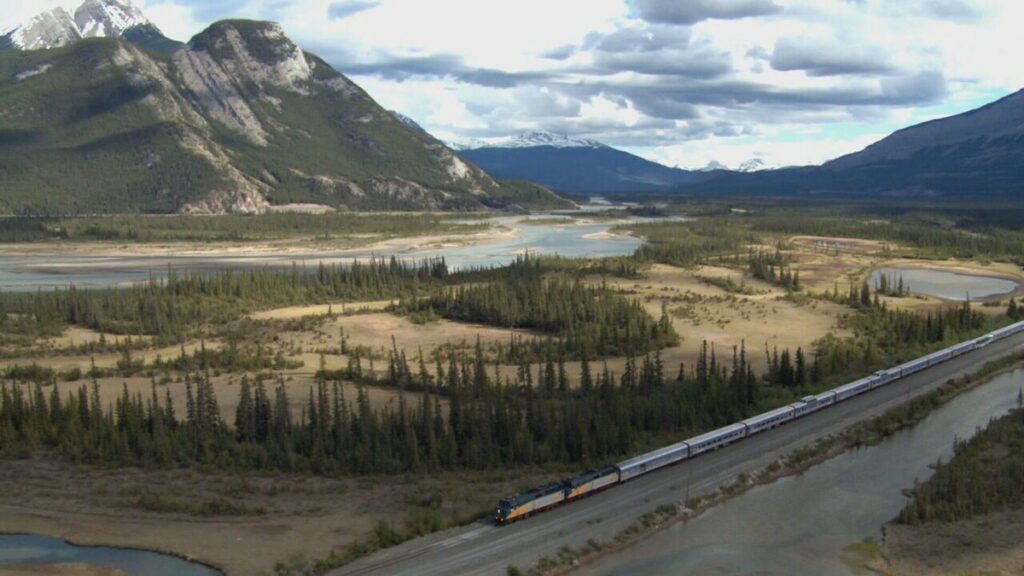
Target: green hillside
column 76, row 137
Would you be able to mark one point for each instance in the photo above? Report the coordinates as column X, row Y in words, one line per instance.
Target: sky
column 681, row 82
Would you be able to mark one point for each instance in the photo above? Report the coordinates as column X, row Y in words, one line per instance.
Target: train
column 591, row 482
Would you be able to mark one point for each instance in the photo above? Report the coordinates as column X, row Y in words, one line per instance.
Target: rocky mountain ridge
column 237, row 120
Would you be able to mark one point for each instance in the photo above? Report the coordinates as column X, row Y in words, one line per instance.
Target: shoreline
column 291, row 246
column 80, row 544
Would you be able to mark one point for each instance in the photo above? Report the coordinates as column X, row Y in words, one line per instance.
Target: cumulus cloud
column 692, row 11
column 828, row 58
column 441, row 66
column 955, row 10
column 340, row 10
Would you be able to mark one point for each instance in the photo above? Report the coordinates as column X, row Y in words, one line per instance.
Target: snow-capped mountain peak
column 94, row 18
column 544, row 138
column 47, row 30
column 714, row 165
column 752, row 165
column 99, row 18
column 533, row 139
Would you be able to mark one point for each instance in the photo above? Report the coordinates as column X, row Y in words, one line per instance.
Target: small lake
column 38, row 550
column 801, row 524
column 945, row 284
column 547, row 236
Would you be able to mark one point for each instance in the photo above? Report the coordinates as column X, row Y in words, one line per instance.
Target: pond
column 802, row 524
column 946, row 284
column 24, row 550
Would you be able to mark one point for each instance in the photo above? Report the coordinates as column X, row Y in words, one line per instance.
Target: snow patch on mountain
column 751, row 165
column 532, row 139
column 43, row 69
column 714, row 165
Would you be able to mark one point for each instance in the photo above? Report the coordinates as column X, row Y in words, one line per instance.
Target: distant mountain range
column 570, row 165
column 975, row 154
column 99, row 112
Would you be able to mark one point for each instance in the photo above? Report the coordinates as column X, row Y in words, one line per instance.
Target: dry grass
column 989, row 545
column 285, row 515
column 704, row 312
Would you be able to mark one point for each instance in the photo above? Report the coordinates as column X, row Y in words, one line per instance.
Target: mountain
column 92, row 19
column 408, row 122
column 47, row 30
column 976, row 153
column 240, row 119
column 752, row 165
column 570, row 165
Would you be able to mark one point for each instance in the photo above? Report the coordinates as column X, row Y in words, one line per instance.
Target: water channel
column 802, row 524
column 544, row 236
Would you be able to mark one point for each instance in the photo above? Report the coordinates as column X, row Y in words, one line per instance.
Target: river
column 570, row 239
column 802, row 524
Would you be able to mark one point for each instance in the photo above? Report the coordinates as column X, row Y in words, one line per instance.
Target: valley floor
column 247, row 524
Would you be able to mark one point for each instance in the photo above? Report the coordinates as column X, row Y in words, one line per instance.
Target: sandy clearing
column 294, row 312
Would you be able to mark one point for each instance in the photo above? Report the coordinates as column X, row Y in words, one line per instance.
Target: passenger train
column 593, row 481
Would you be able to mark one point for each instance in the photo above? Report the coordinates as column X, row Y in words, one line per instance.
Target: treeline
column 1014, row 311
column 892, row 287
column 460, row 415
column 884, row 337
column 722, row 234
column 489, row 422
column 986, row 474
column 690, row 243
column 932, row 237
column 774, row 268
column 180, row 305
column 586, row 321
